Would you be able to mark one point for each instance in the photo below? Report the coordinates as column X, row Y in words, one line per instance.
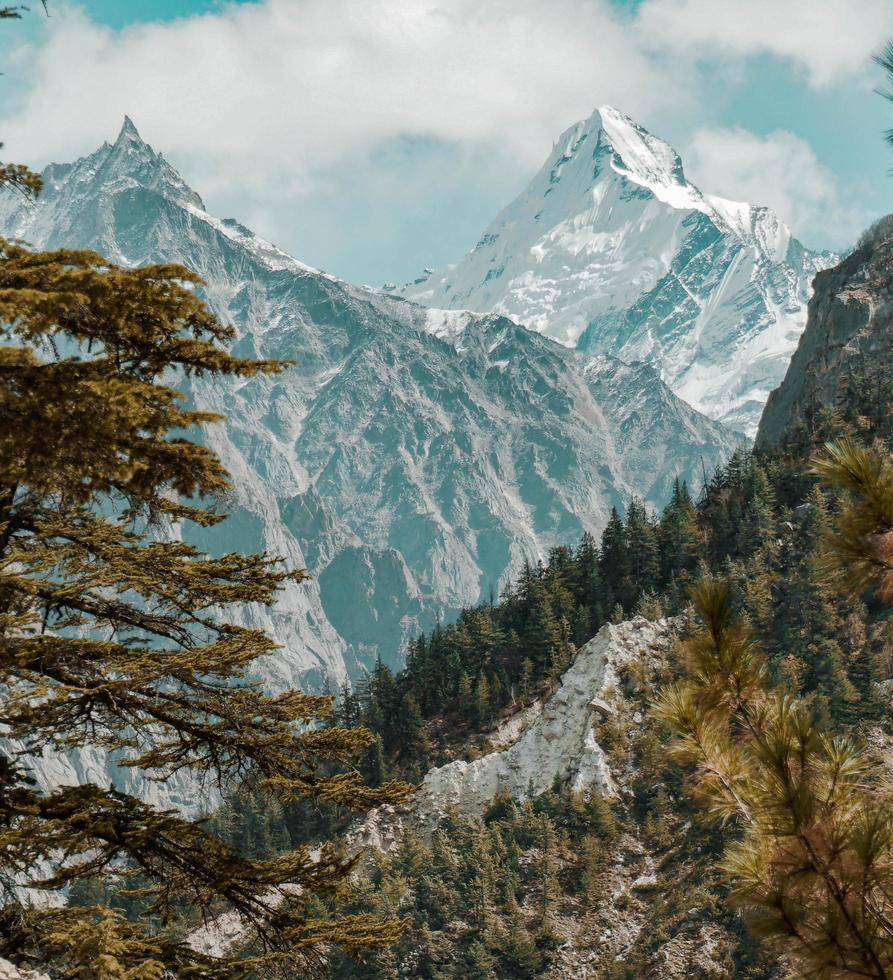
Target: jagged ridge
column 430, row 450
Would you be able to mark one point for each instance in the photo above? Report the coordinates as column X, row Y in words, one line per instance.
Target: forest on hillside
column 494, row 896
column 217, row 826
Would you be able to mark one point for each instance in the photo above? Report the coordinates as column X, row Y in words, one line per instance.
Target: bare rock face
column 849, row 331
column 559, row 742
column 9, row 971
column 411, row 459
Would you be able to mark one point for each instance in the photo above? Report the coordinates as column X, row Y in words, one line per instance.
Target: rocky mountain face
column 849, row 332
column 9, row 971
column 411, row 458
column 589, row 731
column 611, row 249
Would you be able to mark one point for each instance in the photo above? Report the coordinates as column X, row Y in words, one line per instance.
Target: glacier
column 613, row 250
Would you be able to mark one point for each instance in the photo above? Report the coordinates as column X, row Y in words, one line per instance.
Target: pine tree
column 544, row 639
column 812, row 867
column 587, row 581
column 483, row 707
column 525, row 681
column 860, row 546
column 112, row 638
column 548, row 868
column 480, row 962
column 614, row 561
column 592, row 862
column 643, row 554
column 757, row 523
column 372, row 764
column 464, row 699
column 679, row 537
column 518, row 954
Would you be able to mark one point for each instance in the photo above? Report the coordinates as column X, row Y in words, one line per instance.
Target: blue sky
column 374, row 137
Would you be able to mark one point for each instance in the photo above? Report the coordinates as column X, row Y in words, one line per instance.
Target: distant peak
column 129, row 132
column 131, row 158
column 609, row 112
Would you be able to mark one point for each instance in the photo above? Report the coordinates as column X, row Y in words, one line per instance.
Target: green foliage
column 115, row 639
column 860, row 546
column 761, row 521
column 812, row 868
column 480, row 892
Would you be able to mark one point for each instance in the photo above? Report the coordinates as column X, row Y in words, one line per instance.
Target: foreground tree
column 119, row 640
column 813, row 865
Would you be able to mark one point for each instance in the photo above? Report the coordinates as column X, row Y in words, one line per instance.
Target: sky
column 372, row 138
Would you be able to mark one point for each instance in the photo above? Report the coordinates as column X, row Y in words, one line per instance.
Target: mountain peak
column 128, row 130
column 130, row 157
column 638, row 147
column 129, row 139
column 646, row 159
column 610, row 247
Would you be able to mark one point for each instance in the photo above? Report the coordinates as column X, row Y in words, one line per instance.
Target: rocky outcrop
column 560, row 745
column 9, row 971
column 849, row 331
column 558, row 742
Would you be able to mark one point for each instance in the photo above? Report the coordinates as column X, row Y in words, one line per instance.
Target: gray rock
column 849, row 330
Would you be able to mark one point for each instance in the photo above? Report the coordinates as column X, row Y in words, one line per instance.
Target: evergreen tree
column 464, row 698
column 111, row 638
column 480, row 962
column 544, row 640
column 679, row 538
column 483, row 708
column 525, row 685
column 813, row 867
column 587, row 581
column 643, row 555
column 517, row 950
column 548, row 867
column 614, row 566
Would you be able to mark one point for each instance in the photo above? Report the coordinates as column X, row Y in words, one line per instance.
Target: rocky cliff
column 553, row 740
column 9, row 971
column 849, row 332
column 594, row 731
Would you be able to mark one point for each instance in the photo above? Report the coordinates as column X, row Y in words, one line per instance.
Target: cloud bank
column 779, row 170
column 279, row 99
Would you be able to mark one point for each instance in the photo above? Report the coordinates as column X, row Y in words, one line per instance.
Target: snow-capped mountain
column 611, row 249
column 411, row 458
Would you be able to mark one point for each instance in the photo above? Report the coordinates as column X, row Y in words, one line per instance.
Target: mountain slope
column 849, row 333
column 610, row 248
column 410, row 458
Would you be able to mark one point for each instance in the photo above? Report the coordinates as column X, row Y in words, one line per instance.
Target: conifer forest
column 530, row 619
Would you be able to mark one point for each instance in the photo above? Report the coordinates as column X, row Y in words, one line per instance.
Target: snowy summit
column 611, row 249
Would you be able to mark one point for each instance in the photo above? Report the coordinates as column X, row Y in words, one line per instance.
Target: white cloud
column 282, row 88
column 779, row 170
column 270, row 107
column 829, row 39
